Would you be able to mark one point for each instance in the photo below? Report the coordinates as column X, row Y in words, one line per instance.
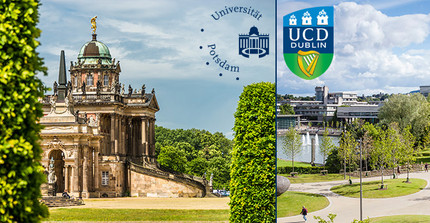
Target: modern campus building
column 425, row 90
column 326, row 106
column 101, row 137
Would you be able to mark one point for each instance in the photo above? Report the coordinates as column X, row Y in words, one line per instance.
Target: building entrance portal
column 58, row 156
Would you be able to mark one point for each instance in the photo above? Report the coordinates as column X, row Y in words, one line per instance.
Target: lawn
column 402, row 218
column 311, row 178
column 290, row 203
column 282, row 163
column 95, row 214
column 396, row 188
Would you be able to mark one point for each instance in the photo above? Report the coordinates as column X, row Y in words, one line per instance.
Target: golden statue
column 93, row 24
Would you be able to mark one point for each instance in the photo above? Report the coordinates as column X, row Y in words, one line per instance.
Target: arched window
column 90, row 79
column 106, row 80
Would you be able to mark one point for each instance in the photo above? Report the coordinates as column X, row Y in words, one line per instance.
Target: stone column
column 123, row 130
column 85, row 172
column 75, row 170
column 119, row 134
column 91, row 169
column 153, row 138
column 144, row 141
column 72, row 187
column 96, row 169
column 66, row 178
column 132, row 138
column 116, row 134
column 112, row 134
column 121, row 178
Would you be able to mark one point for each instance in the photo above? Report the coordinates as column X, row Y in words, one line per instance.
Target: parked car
column 222, row 193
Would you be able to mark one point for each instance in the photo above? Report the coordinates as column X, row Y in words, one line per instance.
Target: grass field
column 402, row 219
column 290, row 203
column 396, row 188
column 95, row 214
column 311, row 178
column 282, row 163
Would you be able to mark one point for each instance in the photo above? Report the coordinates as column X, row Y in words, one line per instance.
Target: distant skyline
column 158, row 44
column 380, row 46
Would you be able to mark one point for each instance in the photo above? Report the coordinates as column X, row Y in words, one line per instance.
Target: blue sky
column 157, row 44
column 380, row 46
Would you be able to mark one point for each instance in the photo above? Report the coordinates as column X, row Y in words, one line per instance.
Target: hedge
column 300, row 170
column 21, row 173
column 252, row 184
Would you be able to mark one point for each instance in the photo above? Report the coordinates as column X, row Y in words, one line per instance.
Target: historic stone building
column 101, row 135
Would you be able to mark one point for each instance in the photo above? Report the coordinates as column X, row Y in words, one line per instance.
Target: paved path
column 348, row 209
column 156, row 203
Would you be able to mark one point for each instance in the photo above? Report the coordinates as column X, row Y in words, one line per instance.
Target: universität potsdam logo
column 308, row 41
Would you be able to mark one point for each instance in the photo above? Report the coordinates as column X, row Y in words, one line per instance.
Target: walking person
column 304, row 213
column 427, row 167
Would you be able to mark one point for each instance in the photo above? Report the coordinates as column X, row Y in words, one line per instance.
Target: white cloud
column 370, row 52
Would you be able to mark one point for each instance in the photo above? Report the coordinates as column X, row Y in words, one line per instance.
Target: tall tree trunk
column 382, row 175
column 293, row 158
column 324, row 160
column 349, row 164
column 344, row 169
column 407, row 178
column 293, row 164
column 365, row 161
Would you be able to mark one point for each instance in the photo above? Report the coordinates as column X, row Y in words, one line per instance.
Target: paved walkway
column 348, row 209
column 156, row 203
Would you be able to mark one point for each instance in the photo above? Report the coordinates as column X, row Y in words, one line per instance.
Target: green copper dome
column 94, row 51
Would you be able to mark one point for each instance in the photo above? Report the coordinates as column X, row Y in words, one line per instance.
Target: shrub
column 300, row 170
column 252, row 185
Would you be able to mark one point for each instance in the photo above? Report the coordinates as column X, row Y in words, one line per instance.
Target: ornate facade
column 102, row 137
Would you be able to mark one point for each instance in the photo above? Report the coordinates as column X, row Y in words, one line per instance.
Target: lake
column 305, row 155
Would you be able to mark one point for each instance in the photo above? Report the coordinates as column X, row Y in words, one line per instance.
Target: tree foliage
column 204, row 152
column 20, row 171
column 286, row 109
column 173, row 158
column 381, row 154
column 407, row 148
column 347, row 145
column 413, row 110
column 326, row 146
column 252, row 185
column 292, row 144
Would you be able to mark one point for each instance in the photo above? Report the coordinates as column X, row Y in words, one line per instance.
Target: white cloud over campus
column 373, row 52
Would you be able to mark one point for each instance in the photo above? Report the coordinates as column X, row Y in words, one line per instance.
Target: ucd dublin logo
column 308, row 41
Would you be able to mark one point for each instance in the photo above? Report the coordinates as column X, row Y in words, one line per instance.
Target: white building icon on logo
column 306, row 19
column 293, row 20
column 322, row 18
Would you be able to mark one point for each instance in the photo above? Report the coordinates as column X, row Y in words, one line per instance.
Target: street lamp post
column 361, row 183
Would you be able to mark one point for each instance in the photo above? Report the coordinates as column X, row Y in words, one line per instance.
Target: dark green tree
column 21, row 173
column 197, row 166
column 333, row 162
column 220, row 168
column 252, row 184
column 172, row 158
column 203, row 151
column 287, row 109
